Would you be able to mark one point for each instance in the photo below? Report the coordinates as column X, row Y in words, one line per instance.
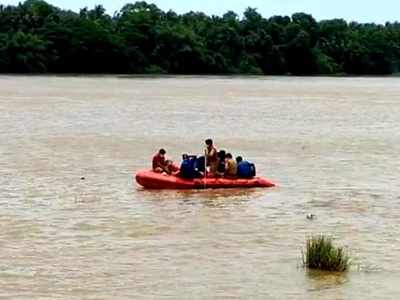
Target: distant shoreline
column 39, row 38
column 127, row 76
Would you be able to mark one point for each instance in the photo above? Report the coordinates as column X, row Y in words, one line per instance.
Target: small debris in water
column 83, row 178
column 311, row 216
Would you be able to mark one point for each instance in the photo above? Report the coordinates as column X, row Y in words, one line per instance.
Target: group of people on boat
column 212, row 164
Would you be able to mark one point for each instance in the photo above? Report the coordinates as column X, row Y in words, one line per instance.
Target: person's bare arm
column 212, row 153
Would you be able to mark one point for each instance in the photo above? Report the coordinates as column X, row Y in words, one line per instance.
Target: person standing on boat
column 211, row 156
column 159, row 163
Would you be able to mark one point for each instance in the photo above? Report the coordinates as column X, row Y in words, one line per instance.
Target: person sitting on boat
column 200, row 166
column 245, row 169
column 170, row 168
column 188, row 168
column 230, row 166
column 211, row 156
column 221, row 156
column 159, row 163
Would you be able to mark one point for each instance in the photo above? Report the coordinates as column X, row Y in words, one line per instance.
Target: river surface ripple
column 332, row 144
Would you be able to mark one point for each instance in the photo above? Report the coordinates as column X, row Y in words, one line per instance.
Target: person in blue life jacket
column 221, row 157
column 188, row 167
column 200, row 166
column 245, row 169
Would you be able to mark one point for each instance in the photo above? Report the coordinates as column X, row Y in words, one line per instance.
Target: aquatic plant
column 321, row 254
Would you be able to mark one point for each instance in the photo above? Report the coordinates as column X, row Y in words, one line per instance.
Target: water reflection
column 321, row 280
column 211, row 197
column 209, row 194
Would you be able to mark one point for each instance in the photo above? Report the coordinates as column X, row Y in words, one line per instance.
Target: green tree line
column 36, row 37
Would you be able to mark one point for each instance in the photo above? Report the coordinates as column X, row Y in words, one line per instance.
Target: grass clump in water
column 321, row 254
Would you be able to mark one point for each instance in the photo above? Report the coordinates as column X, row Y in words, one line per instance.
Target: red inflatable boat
column 152, row 180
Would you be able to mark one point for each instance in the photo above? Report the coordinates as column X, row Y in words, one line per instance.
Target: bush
column 324, row 64
column 322, row 255
column 154, row 69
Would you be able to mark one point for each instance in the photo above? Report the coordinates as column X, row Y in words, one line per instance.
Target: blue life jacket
column 200, row 164
column 246, row 169
column 188, row 169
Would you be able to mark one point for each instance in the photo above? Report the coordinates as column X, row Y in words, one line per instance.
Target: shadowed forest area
column 36, row 37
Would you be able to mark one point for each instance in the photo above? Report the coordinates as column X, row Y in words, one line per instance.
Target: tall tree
column 141, row 38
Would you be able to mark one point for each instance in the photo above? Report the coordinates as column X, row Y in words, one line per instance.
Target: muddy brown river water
column 332, row 144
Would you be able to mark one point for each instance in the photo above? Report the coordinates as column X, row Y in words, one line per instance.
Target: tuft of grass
column 321, row 254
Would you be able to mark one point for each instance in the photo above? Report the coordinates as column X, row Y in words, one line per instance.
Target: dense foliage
column 140, row 38
column 322, row 255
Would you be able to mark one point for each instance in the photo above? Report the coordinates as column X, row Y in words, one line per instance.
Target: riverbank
column 36, row 36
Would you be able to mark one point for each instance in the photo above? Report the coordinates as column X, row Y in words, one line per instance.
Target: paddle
column 205, row 168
